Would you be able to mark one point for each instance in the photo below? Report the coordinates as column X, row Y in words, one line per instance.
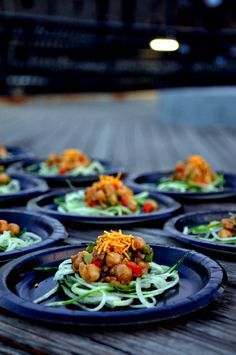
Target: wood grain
column 129, row 133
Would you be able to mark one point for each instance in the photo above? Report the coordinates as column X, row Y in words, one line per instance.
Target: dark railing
column 48, row 53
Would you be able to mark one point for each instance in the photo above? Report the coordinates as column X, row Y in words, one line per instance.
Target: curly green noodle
column 43, row 169
column 10, row 188
column 183, row 186
column 140, row 293
column 10, row 243
column 209, row 232
column 73, row 202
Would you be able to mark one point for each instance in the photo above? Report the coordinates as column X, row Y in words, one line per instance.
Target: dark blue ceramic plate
column 61, row 181
column 29, row 187
column 149, row 180
column 50, row 230
column 45, row 204
column 18, row 154
column 176, row 225
column 202, row 281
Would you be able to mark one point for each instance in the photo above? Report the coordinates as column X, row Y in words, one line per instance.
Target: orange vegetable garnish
column 3, row 151
column 110, row 191
column 194, row 170
column 68, row 160
column 115, row 241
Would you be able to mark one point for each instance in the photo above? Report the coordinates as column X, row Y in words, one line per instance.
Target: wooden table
column 128, row 132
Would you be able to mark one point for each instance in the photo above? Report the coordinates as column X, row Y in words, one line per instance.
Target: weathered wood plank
column 129, row 133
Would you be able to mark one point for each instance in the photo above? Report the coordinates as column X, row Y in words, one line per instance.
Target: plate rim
column 32, row 205
column 59, row 233
column 41, row 187
column 185, row 195
column 22, row 155
column 113, row 169
column 169, row 227
column 213, row 289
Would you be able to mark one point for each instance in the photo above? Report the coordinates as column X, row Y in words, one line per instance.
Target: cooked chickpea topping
column 194, row 170
column 4, row 179
column 139, row 243
column 3, row 225
column 90, row 272
column 228, row 229
column 224, row 233
column 110, row 191
column 68, row 160
column 76, row 260
column 12, row 227
column 123, row 273
column 115, row 257
column 3, row 151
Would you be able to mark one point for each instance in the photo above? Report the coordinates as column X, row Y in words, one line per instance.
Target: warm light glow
column 164, row 44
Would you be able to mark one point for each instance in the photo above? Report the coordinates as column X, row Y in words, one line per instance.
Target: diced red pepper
column 136, row 269
column 62, row 171
column 124, row 201
column 93, row 203
column 149, row 207
column 97, row 262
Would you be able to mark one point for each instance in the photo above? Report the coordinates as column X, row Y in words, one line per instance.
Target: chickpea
column 4, row 178
column 3, row 151
column 99, row 195
column 3, row 225
column 144, row 266
column 139, row 243
column 14, row 228
column 228, row 223
column 76, row 260
column 132, row 204
column 113, row 259
column 90, row 272
column 123, row 273
column 113, row 200
column 224, row 233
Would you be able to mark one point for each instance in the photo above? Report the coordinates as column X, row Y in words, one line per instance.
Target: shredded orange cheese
column 115, row 241
column 105, row 179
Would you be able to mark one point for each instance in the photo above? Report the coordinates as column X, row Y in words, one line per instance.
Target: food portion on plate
column 107, row 197
column 12, row 154
column 223, row 230
column 71, row 162
column 115, row 271
column 4, row 153
column 192, row 175
column 8, row 185
column 13, row 237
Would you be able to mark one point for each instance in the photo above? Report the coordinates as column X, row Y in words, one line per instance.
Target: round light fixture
column 164, row 44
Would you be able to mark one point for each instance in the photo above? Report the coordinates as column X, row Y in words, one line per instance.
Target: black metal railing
column 55, row 54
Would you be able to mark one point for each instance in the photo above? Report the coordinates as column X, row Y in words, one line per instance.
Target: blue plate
column 149, row 180
column 29, row 187
column 50, row 230
column 61, row 181
column 202, row 281
column 176, row 225
column 45, row 204
column 18, row 154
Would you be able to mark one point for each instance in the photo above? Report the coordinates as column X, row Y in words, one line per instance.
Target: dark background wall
column 103, row 45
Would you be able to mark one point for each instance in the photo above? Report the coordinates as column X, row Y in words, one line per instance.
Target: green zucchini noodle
column 209, row 232
column 166, row 184
column 139, row 293
column 43, row 169
column 10, row 188
column 73, row 202
column 10, row 243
